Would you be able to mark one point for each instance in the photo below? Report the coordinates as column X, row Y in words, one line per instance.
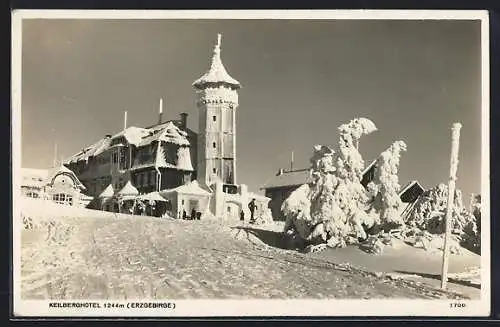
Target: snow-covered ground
column 73, row 253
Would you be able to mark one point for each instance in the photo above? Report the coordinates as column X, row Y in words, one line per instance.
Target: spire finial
column 219, row 41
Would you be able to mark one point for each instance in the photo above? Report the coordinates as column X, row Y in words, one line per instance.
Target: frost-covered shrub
column 296, row 210
column 430, row 211
column 263, row 216
column 471, row 238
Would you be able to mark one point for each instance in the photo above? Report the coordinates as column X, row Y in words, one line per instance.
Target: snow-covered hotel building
column 191, row 170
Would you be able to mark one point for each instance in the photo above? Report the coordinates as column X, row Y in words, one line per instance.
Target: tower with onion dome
column 217, row 100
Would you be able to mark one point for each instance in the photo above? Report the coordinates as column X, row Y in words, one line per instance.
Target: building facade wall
column 278, row 195
column 217, row 138
column 117, row 165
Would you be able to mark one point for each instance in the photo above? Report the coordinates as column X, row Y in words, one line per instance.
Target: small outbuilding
column 188, row 199
column 58, row 184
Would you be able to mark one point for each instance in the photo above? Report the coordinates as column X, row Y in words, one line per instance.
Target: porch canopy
column 107, row 193
column 128, row 192
column 153, row 196
column 192, row 188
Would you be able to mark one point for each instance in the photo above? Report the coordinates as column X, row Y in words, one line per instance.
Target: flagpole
column 125, row 120
column 455, row 138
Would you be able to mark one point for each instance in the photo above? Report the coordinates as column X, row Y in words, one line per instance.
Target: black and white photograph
column 250, row 163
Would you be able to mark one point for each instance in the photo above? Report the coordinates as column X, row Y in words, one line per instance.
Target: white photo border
column 256, row 308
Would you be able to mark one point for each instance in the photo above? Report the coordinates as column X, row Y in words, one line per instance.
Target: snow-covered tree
column 330, row 207
column 430, row 210
column 388, row 202
column 349, row 161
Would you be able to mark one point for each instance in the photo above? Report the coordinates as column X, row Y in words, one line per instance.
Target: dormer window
column 214, row 145
column 214, row 118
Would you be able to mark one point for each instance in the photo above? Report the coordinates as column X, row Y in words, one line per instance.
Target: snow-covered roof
column 368, row 173
column 133, row 135
column 158, row 157
column 237, row 198
column 152, row 164
column 252, row 195
column 411, row 191
column 168, row 132
column 93, row 150
column 369, row 167
column 107, row 192
column 299, row 177
column 184, row 159
column 51, row 174
column 217, row 72
column 84, row 197
column 153, row 196
column 31, row 177
column 128, row 189
column 288, row 178
column 192, row 187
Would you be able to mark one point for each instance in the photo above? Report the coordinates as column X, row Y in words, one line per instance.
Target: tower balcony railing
column 218, row 95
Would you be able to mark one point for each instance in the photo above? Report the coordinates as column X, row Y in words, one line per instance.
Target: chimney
column 184, row 120
column 160, row 111
column 280, row 172
column 291, row 163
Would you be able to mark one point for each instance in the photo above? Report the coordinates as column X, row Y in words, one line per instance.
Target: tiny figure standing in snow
column 252, row 206
column 242, row 215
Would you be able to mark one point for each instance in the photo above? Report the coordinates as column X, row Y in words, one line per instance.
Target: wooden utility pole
column 455, row 138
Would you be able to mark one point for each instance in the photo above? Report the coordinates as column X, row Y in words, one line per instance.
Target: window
column 214, row 145
column 228, row 209
column 122, row 159
column 32, row 195
column 214, row 170
column 63, row 198
column 152, row 176
column 214, row 118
